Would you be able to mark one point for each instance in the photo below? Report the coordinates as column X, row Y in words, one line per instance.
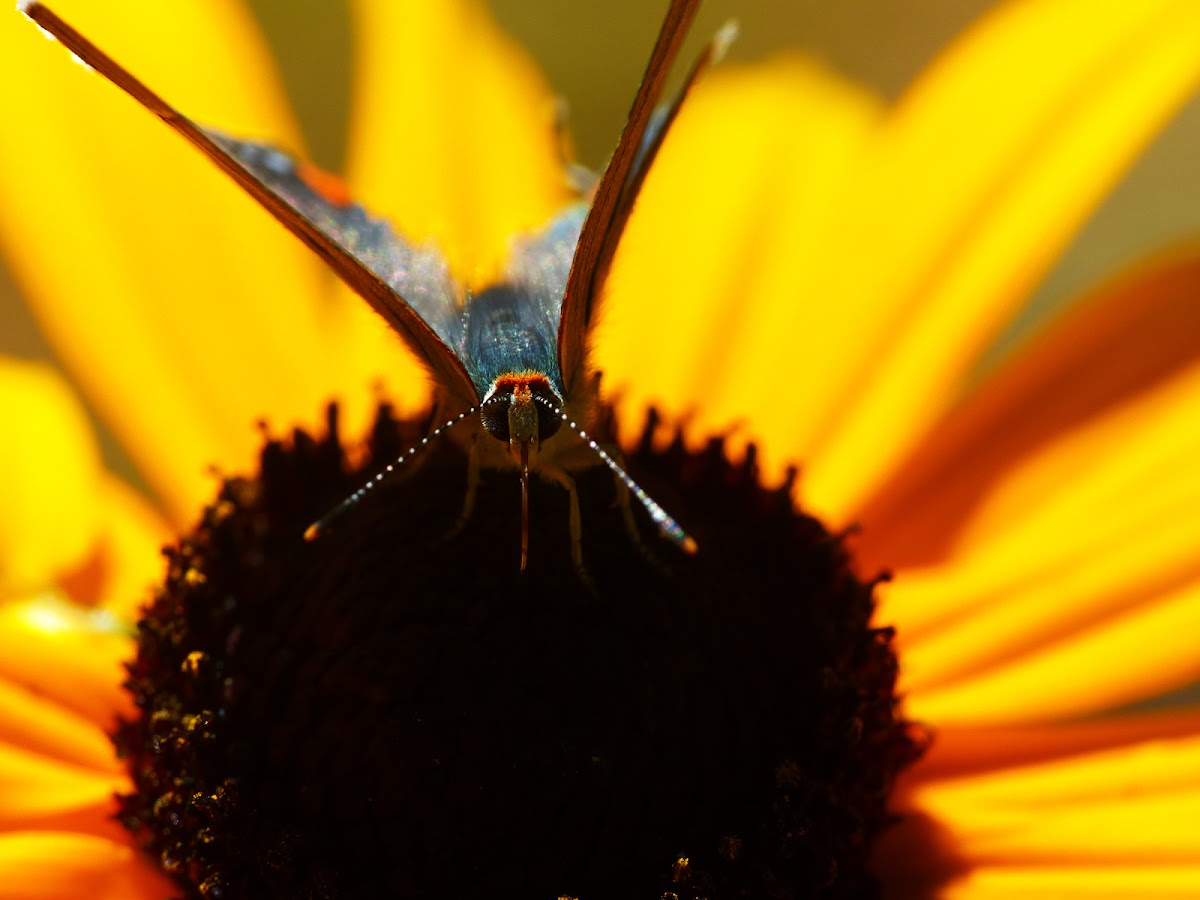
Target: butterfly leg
column 575, row 521
column 468, row 507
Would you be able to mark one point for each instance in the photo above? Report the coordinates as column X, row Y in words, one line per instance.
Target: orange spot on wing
column 329, row 186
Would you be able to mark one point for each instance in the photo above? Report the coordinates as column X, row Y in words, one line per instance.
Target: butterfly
column 514, row 352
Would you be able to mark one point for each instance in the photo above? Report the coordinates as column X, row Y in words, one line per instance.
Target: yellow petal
column 34, row 788
column 61, row 865
column 1005, row 812
column 1130, row 335
column 959, row 750
column 710, row 305
column 184, row 311
column 453, row 130
column 51, row 467
column 980, row 177
column 1125, row 806
column 1119, row 483
column 131, row 550
column 41, row 725
column 1143, row 771
column 1113, row 495
column 452, row 141
column 1086, row 882
column 70, row 655
column 1150, row 649
column 1137, row 456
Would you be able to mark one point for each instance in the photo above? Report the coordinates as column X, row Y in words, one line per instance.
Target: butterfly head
column 511, row 414
column 519, row 410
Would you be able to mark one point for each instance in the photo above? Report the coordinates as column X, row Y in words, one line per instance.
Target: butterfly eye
column 548, row 421
column 494, row 416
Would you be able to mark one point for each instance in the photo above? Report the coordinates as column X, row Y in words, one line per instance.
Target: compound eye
column 494, row 415
column 548, row 420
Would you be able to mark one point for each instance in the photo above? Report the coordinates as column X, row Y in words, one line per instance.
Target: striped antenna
column 668, row 526
column 321, row 526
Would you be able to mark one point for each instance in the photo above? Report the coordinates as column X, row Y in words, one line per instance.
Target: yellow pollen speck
column 191, row 663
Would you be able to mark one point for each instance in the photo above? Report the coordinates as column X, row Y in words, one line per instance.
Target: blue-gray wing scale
column 540, row 263
column 418, row 275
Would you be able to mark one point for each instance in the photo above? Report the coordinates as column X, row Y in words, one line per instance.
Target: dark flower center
column 396, row 711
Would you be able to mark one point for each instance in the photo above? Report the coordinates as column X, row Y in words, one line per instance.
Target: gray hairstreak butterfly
column 515, row 353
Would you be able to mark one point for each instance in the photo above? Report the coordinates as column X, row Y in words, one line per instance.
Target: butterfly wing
column 270, row 178
column 418, row 274
column 622, row 181
column 598, row 232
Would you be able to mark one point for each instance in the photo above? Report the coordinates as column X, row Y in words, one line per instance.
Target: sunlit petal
column 1149, row 649
column 1152, row 881
column 453, row 130
column 980, row 177
column 71, row 655
column 1115, row 494
column 958, row 750
column 1129, row 336
column 185, row 312
column 36, row 788
column 131, row 550
column 51, row 865
column 1123, row 806
column 39, row 724
column 51, row 466
column 1095, row 487
column 711, row 289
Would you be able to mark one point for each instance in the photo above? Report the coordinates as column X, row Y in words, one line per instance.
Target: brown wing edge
column 445, row 367
column 598, row 232
column 712, row 53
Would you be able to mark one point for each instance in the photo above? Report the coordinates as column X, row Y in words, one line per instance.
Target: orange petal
column 60, row 865
column 960, row 750
column 1150, row 649
column 1122, row 483
column 1087, row 882
column 51, row 467
column 711, row 306
column 453, row 130
column 1144, row 771
column 184, row 312
column 1129, row 336
column 1090, row 526
column 34, row 788
column 71, row 655
column 978, row 181
column 41, row 725
column 131, row 549
column 1083, row 593
column 1134, row 805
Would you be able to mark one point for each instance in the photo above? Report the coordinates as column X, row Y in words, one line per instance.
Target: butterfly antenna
column 321, row 526
column 668, row 526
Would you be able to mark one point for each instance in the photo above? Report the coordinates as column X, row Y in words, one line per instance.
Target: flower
column 1039, row 518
